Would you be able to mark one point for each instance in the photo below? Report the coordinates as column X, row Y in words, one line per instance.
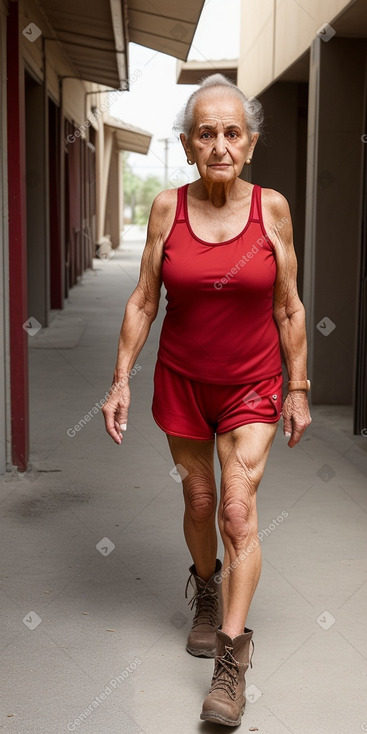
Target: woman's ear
column 183, row 140
column 185, row 145
column 254, row 140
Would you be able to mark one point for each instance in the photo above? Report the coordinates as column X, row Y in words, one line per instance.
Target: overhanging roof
column 167, row 26
column 129, row 137
column 95, row 34
column 192, row 72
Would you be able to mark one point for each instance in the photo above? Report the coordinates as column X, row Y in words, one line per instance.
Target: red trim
column 17, row 245
column 262, row 225
column 225, row 242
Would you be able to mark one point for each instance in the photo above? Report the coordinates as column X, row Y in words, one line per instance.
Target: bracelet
column 299, row 385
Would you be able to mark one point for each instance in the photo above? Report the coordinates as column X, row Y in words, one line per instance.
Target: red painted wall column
column 18, row 311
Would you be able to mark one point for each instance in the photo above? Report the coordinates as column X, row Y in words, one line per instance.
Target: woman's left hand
column 296, row 416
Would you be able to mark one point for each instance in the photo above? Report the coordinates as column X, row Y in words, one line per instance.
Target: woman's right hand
column 116, row 408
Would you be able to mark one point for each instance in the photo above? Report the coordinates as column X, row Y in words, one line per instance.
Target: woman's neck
column 219, row 193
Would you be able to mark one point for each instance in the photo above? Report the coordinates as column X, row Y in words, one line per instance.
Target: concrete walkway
column 94, row 564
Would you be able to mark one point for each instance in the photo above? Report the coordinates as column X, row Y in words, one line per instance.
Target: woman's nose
column 220, row 147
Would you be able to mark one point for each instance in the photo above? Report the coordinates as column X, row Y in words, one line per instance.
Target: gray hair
column 253, row 110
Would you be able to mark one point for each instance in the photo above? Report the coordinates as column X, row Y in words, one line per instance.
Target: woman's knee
column 235, row 522
column 238, row 517
column 200, row 497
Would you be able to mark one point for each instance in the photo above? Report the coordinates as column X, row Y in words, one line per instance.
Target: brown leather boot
column 207, row 600
column 226, row 700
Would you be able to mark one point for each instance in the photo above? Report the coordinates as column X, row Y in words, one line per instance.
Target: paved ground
column 104, row 631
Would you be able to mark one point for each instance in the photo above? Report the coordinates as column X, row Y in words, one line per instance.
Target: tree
column 138, row 192
column 150, row 187
column 131, row 185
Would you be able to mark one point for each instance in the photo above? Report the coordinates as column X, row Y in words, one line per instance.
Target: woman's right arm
column 140, row 312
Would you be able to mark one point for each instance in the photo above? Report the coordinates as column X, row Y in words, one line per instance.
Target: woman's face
column 219, row 143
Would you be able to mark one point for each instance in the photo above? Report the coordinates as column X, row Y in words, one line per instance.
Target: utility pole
column 166, row 142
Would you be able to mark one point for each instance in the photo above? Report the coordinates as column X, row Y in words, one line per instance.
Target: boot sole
column 218, row 719
column 201, row 653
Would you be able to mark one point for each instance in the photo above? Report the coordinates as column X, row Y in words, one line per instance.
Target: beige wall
column 255, row 64
column 275, row 33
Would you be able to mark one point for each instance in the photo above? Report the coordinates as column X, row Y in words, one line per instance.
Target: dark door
column 360, row 402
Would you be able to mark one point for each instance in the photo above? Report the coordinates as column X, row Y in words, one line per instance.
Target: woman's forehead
column 216, row 108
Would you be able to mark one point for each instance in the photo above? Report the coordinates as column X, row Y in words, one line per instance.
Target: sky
column 154, row 98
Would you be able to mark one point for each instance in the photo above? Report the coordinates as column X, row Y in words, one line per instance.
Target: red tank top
column 219, row 325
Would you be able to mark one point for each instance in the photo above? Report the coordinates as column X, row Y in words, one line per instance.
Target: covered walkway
column 94, row 563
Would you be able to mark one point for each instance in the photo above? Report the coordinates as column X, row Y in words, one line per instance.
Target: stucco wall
column 275, row 33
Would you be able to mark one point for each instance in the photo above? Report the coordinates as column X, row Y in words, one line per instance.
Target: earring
column 248, row 161
column 191, row 163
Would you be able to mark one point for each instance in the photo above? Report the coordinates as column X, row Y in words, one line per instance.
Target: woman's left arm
column 289, row 312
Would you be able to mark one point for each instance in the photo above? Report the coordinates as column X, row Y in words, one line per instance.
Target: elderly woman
column 223, row 249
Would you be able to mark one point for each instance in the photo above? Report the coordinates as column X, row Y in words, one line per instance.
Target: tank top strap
column 181, row 199
column 255, row 211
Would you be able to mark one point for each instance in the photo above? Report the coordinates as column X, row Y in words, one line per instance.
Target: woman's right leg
column 200, row 496
column 196, row 465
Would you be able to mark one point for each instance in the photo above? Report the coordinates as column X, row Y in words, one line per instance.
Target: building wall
column 333, row 217
column 274, row 34
column 48, row 245
column 38, row 244
column 4, row 276
column 315, row 105
column 46, row 65
column 57, row 63
column 62, row 82
column 279, row 160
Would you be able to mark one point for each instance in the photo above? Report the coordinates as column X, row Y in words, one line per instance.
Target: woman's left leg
column 242, row 454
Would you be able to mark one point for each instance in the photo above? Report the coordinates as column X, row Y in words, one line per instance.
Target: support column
column 62, row 145
column 113, row 225
column 333, row 211
column 103, row 155
column 18, row 307
column 4, row 254
column 56, row 263
column 37, row 202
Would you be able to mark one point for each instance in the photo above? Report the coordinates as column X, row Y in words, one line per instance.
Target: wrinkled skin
column 219, row 202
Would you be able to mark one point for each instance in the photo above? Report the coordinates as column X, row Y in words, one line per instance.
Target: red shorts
column 191, row 409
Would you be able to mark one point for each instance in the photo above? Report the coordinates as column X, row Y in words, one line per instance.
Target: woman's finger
column 287, row 426
column 110, row 424
column 287, row 422
column 115, row 412
column 299, row 425
column 121, row 415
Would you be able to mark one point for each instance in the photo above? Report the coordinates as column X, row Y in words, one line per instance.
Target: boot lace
column 226, row 673
column 205, row 601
